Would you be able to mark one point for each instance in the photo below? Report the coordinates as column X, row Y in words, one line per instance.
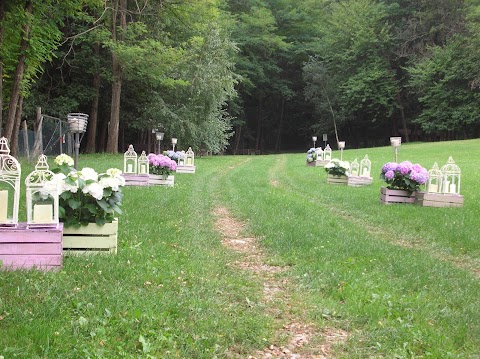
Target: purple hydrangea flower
column 389, row 166
column 389, row 175
column 405, row 167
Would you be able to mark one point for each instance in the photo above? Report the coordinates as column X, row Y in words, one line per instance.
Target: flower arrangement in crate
column 337, row 168
column 174, row 155
column 161, row 165
column 404, row 176
column 311, row 155
column 87, row 196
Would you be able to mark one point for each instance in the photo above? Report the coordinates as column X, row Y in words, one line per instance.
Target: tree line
column 263, row 75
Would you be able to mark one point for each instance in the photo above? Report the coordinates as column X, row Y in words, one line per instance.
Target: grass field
column 402, row 280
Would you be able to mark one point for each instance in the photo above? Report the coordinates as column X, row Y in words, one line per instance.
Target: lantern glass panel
column 143, row 168
column 355, row 168
column 451, row 177
column 435, row 179
column 190, row 157
column 365, row 167
column 130, row 161
column 319, row 153
column 10, row 173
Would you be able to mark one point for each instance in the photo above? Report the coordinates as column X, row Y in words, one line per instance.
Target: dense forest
column 244, row 75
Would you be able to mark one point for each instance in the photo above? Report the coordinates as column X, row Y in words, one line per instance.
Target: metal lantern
column 130, row 161
column 143, row 168
column 365, row 167
column 189, row 157
column 341, row 146
column 355, row 168
column 319, row 153
column 77, row 123
column 159, row 136
column 451, row 177
column 395, row 142
column 10, row 173
column 314, row 139
column 174, row 142
column 181, row 159
column 42, row 196
column 327, row 153
column 435, row 180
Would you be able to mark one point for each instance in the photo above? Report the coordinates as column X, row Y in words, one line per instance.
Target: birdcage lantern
column 365, row 167
column 181, row 158
column 143, row 168
column 355, row 168
column 451, row 177
column 190, row 157
column 43, row 190
column 327, row 153
column 435, row 180
column 10, row 173
column 130, row 161
column 319, row 153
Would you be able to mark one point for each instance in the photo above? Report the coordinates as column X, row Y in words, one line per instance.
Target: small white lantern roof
column 10, row 172
column 450, row 167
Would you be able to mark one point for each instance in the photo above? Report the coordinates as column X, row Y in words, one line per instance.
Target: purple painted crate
column 24, row 248
column 135, row 180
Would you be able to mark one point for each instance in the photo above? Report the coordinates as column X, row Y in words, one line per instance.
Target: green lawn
column 401, row 280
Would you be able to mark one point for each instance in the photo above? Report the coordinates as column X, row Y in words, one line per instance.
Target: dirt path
column 305, row 341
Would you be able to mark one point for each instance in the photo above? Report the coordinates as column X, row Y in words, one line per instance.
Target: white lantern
column 327, row 153
column 189, row 157
column 181, row 158
column 355, row 168
column 42, row 196
column 130, row 161
column 395, row 142
column 451, row 177
column 10, row 173
column 319, row 153
column 435, row 180
column 143, row 168
column 365, row 167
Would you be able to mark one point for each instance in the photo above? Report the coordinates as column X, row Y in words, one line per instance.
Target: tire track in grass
column 303, row 338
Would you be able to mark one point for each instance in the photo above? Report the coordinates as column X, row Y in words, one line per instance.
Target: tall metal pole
column 76, row 137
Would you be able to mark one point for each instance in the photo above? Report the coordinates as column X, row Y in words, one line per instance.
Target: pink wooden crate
column 135, row 180
column 39, row 248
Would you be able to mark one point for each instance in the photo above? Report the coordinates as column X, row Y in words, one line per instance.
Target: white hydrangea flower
column 95, row 190
column 114, row 172
column 88, row 173
column 64, row 159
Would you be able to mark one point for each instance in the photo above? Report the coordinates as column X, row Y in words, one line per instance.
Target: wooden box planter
column 23, row 248
column 317, row 163
column 332, row 179
column 157, row 180
column 185, row 169
column 357, row 181
column 389, row 196
column 311, row 164
column 135, row 180
column 91, row 239
column 439, row 199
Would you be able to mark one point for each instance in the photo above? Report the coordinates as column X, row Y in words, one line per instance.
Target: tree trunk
column 92, row 126
column 280, row 126
column 113, row 126
column 402, row 114
column 17, row 77
column 259, row 125
column 16, row 128
column 238, row 132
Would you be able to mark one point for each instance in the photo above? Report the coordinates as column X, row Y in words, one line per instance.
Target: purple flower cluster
column 162, row 162
column 404, row 175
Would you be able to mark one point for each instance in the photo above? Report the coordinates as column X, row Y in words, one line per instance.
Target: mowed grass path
column 403, row 281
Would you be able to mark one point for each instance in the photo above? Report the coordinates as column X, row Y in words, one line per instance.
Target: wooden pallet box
column 157, row 180
column 185, row 169
column 392, row 196
column 439, row 199
column 357, row 181
column 135, row 180
column 91, row 239
column 311, row 164
column 26, row 248
column 332, row 179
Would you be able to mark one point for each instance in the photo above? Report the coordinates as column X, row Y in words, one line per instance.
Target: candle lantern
column 42, row 196
column 395, row 142
column 77, row 123
column 143, row 168
column 10, row 173
column 327, row 153
column 355, row 168
column 181, row 158
column 365, row 167
column 319, row 153
column 435, row 180
column 174, row 142
column 190, row 157
column 451, row 177
column 130, row 161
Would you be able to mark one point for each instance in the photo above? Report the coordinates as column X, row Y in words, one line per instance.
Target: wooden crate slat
column 337, row 179
column 30, row 260
column 30, row 248
column 83, row 242
column 93, row 229
column 185, row 169
column 389, row 196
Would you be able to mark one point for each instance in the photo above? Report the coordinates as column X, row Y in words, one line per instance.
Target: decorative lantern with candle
column 181, row 158
column 319, row 153
column 365, row 167
column 130, row 161
column 189, row 157
column 77, row 123
column 395, row 142
column 435, row 180
column 42, row 196
column 174, row 142
column 159, row 136
column 341, row 146
column 355, row 168
column 10, row 173
column 143, row 164
column 451, row 177
column 327, row 153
